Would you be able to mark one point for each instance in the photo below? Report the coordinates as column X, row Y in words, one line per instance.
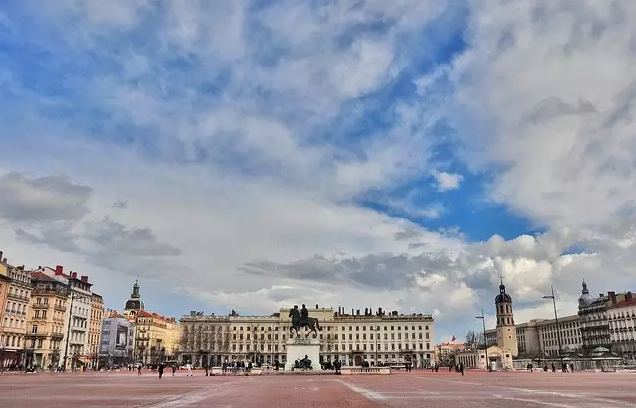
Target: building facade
column 49, row 301
column 117, row 340
column 446, row 352
column 594, row 324
column 493, row 358
column 4, row 289
column 95, row 329
column 13, row 332
column 377, row 338
column 156, row 337
column 538, row 339
column 621, row 315
column 74, row 348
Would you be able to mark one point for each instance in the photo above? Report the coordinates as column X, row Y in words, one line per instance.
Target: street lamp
column 483, row 321
column 556, row 320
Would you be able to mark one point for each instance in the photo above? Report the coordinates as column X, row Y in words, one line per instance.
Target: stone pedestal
column 297, row 349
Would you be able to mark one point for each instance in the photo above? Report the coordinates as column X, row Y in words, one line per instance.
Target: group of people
column 564, row 368
column 459, row 368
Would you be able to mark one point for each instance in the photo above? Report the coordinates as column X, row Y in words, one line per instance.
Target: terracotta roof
column 143, row 313
column 624, row 303
column 40, row 275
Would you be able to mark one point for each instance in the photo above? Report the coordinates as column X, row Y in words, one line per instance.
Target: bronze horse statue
column 298, row 322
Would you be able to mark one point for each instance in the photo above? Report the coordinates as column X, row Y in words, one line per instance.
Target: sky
column 253, row 155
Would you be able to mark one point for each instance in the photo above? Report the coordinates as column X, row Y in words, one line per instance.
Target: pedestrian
column 139, row 369
column 188, row 370
column 461, row 368
column 174, row 368
column 160, row 369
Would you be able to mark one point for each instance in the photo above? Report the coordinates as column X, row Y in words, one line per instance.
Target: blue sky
column 395, row 154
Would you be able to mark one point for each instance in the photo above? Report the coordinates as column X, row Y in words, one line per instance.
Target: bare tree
column 474, row 340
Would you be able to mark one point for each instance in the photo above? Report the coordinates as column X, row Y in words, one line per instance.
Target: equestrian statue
column 300, row 318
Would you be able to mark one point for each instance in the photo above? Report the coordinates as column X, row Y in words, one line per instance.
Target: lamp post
column 556, row 321
column 483, row 321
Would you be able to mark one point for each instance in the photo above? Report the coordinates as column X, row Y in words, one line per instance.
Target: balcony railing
column 40, row 306
column 17, row 297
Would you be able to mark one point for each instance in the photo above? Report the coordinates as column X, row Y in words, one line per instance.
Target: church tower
column 506, row 332
column 134, row 304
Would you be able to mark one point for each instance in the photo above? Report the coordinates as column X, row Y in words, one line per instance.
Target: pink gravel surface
column 416, row 389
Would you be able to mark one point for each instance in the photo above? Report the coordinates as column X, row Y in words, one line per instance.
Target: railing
column 59, row 308
column 40, row 306
column 17, row 297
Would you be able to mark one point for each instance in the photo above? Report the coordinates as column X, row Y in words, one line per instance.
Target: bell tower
column 506, row 331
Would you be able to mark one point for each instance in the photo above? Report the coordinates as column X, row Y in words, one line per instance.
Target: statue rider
column 304, row 314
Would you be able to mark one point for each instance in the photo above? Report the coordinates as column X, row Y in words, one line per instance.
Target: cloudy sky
column 251, row 155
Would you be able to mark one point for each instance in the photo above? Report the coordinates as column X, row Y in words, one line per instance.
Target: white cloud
column 447, row 181
column 547, row 91
column 220, row 130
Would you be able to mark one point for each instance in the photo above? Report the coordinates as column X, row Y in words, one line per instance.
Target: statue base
column 298, row 348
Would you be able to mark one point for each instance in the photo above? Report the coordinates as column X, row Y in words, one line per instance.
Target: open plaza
column 418, row 388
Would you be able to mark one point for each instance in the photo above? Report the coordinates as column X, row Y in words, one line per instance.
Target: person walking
column 139, row 369
column 160, row 370
column 188, row 370
column 174, row 368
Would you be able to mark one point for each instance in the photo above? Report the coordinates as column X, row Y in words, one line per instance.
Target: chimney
column 628, row 296
column 366, row 311
column 4, row 260
column 1, row 253
column 316, row 306
column 353, row 312
column 84, row 279
column 74, row 275
column 358, row 312
column 59, row 269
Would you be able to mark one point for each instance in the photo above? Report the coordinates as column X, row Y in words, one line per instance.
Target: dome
column 134, row 304
column 585, row 298
column 503, row 297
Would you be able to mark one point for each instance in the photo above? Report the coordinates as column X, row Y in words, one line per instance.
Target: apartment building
column 13, row 323
column 95, row 329
column 621, row 314
column 48, row 308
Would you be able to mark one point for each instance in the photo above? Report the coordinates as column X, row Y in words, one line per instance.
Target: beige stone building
column 538, row 337
column 156, row 337
column 378, row 338
column 49, row 301
column 446, row 351
column 95, row 330
column 622, row 325
column 13, row 326
column 495, row 357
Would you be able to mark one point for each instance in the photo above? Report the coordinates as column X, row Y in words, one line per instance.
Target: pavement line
column 537, row 392
column 187, row 399
column 369, row 394
column 550, row 404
